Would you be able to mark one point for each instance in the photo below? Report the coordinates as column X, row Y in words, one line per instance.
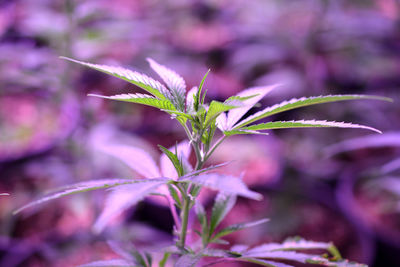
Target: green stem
column 185, row 219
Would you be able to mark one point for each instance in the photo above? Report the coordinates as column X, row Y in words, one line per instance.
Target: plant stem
column 185, row 219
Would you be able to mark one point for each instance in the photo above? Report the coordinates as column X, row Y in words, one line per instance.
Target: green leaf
column 174, row 159
column 249, row 98
column 175, row 83
column 242, row 131
column 224, row 183
column 237, row 227
column 174, row 194
column 164, row 259
column 78, row 188
column 163, row 104
column 201, row 215
column 222, row 205
column 125, row 196
column 305, row 124
column 146, row 83
column 215, row 109
column 197, row 96
column 302, row 102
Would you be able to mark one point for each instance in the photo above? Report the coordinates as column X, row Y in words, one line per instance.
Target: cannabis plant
column 180, row 182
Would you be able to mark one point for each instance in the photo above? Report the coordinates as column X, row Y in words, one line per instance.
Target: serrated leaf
column 241, row 131
column 201, row 216
column 222, row 206
column 173, row 159
column 125, row 196
column 264, row 262
column 163, row 104
column 110, row 263
column 326, row 262
column 128, row 251
column 146, row 83
column 197, row 98
column 207, row 169
column 302, row 102
column 292, row 244
column 175, row 83
column 305, row 124
column 190, row 98
column 136, row 158
column 224, row 183
column 78, row 188
column 188, row 260
column 237, row 227
column 215, row 109
column 168, row 167
column 278, row 255
column 249, row 97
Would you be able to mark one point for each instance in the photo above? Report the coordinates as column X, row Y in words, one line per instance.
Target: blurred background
column 339, row 185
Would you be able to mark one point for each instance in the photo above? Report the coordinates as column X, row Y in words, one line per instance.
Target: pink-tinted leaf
column 302, row 102
column 305, row 124
column 391, row 166
column 125, row 196
column 78, row 188
column 188, row 260
column 110, row 263
column 224, row 183
column 264, row 262
column 163, row 104
column 136, row 158
column 258, row 93
column 372, row 141
column 174, row 82
column 150, row 85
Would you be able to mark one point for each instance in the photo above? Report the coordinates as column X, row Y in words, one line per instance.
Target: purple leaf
column 174, row 82
column 150, row 85
column 78, row 188
column 123, row 197
column 136, row 158
column 224, row 183
column 236, row 114
column 110, row 263
column 372, row 141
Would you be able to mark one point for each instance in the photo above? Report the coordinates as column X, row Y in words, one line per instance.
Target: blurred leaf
column 224, row 183
column 163, row 104
column 78, row 188
column 222, row 206
column 187, row 260
column 110, row 263
column 125, row 196
column 136, row 158
column 201, row 215
column 237, row 227
column 146, row 83
column 302, row 102
column 264, row 262
column 174, row 82
column 305, row 124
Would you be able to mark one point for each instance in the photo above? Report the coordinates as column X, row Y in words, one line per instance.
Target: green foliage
column 200, row 122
